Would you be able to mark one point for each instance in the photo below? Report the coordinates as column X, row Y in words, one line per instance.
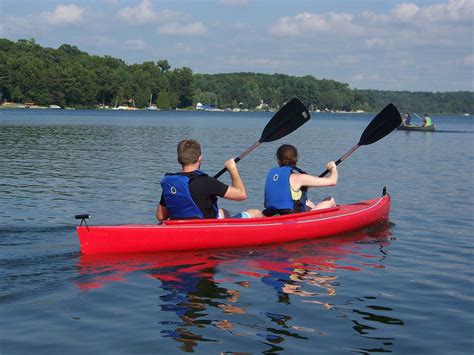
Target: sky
column 418, row 45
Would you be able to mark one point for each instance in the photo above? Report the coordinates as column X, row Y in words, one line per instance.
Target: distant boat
column 411, row 127
column 202, row 107
column 125, row 105
column 152, row 107
column 55, row 107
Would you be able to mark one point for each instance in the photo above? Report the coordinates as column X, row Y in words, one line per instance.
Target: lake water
column 406, row 287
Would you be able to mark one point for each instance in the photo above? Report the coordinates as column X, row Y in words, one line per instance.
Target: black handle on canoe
column 83, row 218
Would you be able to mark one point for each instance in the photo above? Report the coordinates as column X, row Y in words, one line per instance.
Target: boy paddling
column 191, row 193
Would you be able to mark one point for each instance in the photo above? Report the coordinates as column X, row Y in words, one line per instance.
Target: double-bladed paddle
column 290, row 117
column 385, row 122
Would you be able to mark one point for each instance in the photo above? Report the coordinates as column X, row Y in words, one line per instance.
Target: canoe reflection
column 214, row 288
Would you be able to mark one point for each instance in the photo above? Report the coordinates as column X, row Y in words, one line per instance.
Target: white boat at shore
column 122, row 107
column 151, row 106
column 202, row 107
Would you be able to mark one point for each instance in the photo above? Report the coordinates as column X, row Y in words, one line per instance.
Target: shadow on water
column 210, row 289
column 20, row 229
column 17, row 235
column 26, row 278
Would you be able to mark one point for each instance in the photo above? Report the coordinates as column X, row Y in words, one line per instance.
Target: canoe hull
column 429, row 128
column 230, row 233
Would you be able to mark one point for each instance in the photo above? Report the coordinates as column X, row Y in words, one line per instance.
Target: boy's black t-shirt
column 203, row 189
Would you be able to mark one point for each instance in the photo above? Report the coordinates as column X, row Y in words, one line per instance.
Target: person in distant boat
column 407, row 119
column 286, row 185
column 426, row 120
column 192, row 194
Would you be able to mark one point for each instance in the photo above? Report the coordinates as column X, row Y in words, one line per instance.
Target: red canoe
column 227, row 233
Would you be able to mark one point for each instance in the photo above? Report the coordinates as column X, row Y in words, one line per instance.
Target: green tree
column 163, row 101
column 70, row 77
column 181, row 87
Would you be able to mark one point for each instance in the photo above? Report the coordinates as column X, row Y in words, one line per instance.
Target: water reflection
column 205, row 290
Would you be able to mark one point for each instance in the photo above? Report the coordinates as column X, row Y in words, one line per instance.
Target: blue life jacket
column 177, row 196
column 278, row 191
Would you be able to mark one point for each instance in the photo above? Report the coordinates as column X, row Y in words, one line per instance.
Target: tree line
column 69, row 77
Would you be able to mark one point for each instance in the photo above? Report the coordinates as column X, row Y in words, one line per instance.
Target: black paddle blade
column 385, row 122
column 290, row 117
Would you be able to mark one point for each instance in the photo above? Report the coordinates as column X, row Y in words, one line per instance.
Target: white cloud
column 254, row 62
column 180, row 29
column 144, row 13
column 16, row 25
column 33, row 24
column 346, row 60
column 353, row 46
column 365, row 77
column 169, row 15
column 406, row 12
column 63, row 15
column 183, row 47
column 443, row 24
column 406, row 60
column 100, row 41
column 395, row 45
column 240, row 26
column 308, row 23
column 369, row 18
column 312, row 22
column 453, row 10
column 234, row 2
column 135, row 44
column 284, row 26
column 469, row 60
column 141, row 14
column 374, row 42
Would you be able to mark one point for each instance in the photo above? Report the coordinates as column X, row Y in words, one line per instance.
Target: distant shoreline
column 82, row 81
column 18, row 106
